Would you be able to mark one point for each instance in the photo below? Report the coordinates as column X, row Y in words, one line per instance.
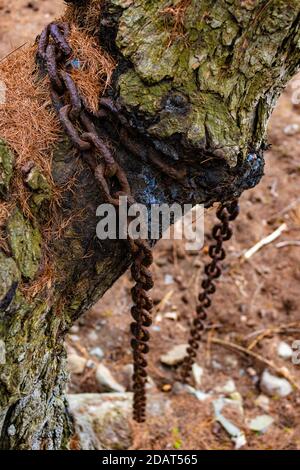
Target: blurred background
column 255, row 317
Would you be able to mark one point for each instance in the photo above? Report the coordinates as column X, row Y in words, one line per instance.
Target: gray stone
column 284, row 350
column 175, row 355
column 260, row 423
column 76, row 364
column 197, row 372
column 292, row 129
column 102, row 420
column 106, row 381
column 263, row 402
column 228, row 388
column 272, row 385
column 236, row 434
column 97, row 352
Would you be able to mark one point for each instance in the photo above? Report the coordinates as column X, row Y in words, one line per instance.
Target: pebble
column 97, row 352
column 197, row 372
column 263, row 402
column 272, row 385
column 228, row 388
column 74, row 338
column 76, row 364
column 106, row 381
column 284, row 350
column 292, row 129
column 168, row 279
column 175, row 355
column 231, row 361
column 93, row 336
column 260, row 423
column 237, row 435
column 74, row 329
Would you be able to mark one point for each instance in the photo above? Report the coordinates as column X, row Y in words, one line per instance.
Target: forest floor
column 256, row 306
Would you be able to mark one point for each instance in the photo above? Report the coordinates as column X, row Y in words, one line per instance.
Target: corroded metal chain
column 54, row 55
column 221, row 232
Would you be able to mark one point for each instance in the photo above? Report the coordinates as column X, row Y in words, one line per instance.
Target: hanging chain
column 54, row 54
column 221, row 232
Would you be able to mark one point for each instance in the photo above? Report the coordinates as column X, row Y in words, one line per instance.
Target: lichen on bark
column 228, row 67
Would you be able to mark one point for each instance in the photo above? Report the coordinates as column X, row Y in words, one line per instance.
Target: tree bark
column 197, row 86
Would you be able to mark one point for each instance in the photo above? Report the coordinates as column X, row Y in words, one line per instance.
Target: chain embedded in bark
column 221, row 232
column 54, row 53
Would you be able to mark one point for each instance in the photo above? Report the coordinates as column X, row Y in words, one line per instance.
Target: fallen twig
column 288, row 243
column 280, row 370
column 265, row 241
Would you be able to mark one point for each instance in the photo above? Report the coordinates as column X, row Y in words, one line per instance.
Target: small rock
column 252, row 372
column 272, row 385
column 199, row 394
column 160, row 261
column 263, row 402
column 76, row 364
column 168, row 279
column 102, row 421
column 227, row 388
column 175, row 356
column 171, row 316
column 237, row 435
column 179, row 388
column 93, row 336
column 74, row 338
column 216, row 365
column 166, row 388
column 231, row 361
column 292, row 129
column 106, row 381
column 74, row 329
column 90, row 364
column 260, row 423
column 97, row 352
column 197, row 372
column 284, row 350
column 236, row 396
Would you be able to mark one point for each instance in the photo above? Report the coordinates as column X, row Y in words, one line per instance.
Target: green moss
column 9, row 274
column 41, row 190
column 6, row 167
column 25, row 242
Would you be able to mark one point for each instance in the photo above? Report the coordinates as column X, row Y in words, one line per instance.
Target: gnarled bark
column 198, row 93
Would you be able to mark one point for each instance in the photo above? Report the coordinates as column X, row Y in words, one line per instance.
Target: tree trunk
column 196, row 83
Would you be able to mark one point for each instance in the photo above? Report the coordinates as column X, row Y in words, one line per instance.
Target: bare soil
column 257, row 299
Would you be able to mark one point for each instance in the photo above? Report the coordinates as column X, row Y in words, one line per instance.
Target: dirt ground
column 256, row 307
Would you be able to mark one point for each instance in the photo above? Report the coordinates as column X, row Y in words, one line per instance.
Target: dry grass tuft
column 28, row 124
column 44, row 280
column 30, row 127
column 95, row 69
column 86, row 17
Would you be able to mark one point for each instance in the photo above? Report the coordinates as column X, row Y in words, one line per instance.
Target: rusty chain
column 221, row 232
column 54, row 55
